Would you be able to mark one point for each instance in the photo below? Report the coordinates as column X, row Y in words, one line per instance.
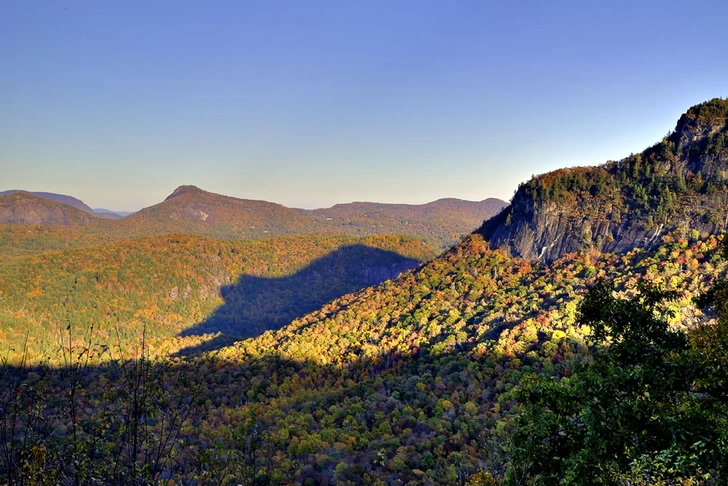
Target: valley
column 185, row 285
column 215, row 340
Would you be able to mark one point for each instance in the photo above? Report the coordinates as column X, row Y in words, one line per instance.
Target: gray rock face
column 679, row 185
column 552, row 232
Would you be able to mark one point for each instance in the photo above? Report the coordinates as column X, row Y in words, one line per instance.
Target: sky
column 310, row 103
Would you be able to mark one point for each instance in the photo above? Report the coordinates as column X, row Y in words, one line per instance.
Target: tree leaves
column 641, row 395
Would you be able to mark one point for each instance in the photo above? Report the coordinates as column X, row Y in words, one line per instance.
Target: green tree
column 631, row 416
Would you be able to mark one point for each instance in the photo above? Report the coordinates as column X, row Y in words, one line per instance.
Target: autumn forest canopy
column 577, row 336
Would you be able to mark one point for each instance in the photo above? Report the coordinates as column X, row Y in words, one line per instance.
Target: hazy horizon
column 102, row 209
column 318, row 103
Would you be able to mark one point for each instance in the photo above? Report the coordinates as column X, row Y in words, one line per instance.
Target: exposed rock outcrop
column 679, row 184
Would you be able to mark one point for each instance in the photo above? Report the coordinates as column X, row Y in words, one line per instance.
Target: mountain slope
column 413, row 380
column 60, row 198
column 176, row 283
column 22, row 208
column 191, row 210
column 442, row 222
column 680, row 183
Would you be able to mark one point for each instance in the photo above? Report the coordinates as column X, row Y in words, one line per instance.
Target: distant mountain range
column 114, row 214
column 70, row 201
column 446, row 220
column 195, row 211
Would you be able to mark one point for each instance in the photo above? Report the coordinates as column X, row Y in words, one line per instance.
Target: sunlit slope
column 168, row 284
column 681, row 183
column 413, row 379
column 22, row 208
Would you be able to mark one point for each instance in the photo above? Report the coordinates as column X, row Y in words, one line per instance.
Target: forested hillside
column 477, row 367
column 191, row 210
column 415, row 380
column 18, row 240
column 174, row 283
column 679, row 183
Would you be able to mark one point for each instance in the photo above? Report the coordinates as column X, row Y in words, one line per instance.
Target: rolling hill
column 191, row 210
column 194, row 211
column 22, row 208
column 68, row 200
column 59, row 198
column 442, row 222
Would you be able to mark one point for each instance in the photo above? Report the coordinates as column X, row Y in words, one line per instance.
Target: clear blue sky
column 309, row 103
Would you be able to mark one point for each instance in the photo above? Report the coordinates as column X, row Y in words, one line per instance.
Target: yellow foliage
column 34, row 293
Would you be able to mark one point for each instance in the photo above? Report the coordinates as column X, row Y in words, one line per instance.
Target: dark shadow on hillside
column 257, row 304
column 199, row 391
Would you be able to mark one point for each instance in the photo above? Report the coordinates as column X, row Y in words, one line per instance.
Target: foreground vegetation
column 416, row 381
column 651, row 408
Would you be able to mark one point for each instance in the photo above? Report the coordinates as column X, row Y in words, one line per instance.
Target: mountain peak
column 709, row 111
column 701, row 121
column 186, row 189
column 676, row 185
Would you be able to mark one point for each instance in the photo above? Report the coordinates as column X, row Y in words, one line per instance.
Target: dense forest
column 180, row 285
column 186, row 359
column 417, row 380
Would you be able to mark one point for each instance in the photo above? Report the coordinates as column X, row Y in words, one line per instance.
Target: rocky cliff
column 681, row 184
